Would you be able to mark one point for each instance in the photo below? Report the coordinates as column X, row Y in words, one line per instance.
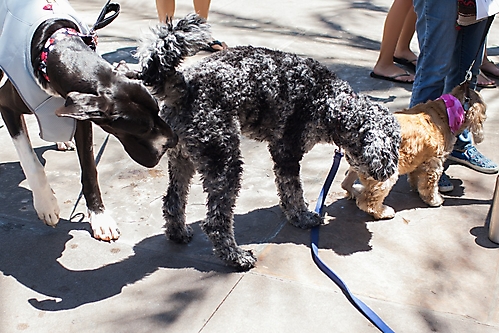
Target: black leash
column 97, row 160
column 102, row 20
column 314, row 235
column 469, row 75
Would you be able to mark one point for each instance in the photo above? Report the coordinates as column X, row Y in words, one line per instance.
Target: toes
column 104, row 227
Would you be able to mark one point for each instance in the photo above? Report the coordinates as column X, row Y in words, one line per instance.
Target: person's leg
column 403, row 48
column 202, row 7
column 165, row 8
column 435, row 27
column 488, row 67
column 469, row 48
column 394, row 23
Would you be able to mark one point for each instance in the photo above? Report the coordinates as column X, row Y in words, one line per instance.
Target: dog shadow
column 124, row 53
column 36, row 262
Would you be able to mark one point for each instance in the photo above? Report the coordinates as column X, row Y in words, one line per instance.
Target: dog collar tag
column 455, row 112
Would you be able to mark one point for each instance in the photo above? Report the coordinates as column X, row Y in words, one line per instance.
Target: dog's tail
column 164, row 49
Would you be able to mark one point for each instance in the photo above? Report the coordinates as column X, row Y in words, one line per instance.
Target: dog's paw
column 386, row 212
column 47, row 208
column 306, row 220
column 240, row 259
column 103, row 226
column 435, row 201
column 179, row 235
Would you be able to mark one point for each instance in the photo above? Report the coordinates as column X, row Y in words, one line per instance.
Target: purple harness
column 455, row 112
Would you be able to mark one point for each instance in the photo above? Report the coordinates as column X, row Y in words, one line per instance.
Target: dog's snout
column 172, row 142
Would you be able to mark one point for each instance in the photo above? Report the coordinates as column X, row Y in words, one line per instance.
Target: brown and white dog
column 428, row 132
column 81, row 88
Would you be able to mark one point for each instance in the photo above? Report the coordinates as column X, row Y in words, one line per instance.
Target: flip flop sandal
column 407, row 63
column 490, row 84
column 487, row 73
column 210, row 47
column 392, row 78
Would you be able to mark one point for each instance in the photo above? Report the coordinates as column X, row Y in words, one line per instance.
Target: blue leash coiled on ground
column 314, row 235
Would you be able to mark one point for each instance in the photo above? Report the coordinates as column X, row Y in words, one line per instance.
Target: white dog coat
column 18, row 22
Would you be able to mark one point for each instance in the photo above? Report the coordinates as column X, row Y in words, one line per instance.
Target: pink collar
column 90, row 40
column 455, row 112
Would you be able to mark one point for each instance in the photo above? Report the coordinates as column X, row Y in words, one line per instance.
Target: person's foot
column 216, row 45
column 406, row 58
column 489, row 68
column 473, row 159
column 444, row 184
column 392, row 73
column 483, row 81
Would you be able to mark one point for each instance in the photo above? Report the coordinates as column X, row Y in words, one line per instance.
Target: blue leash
column 357, row 303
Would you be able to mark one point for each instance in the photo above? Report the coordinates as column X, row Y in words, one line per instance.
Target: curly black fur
column 290, row 102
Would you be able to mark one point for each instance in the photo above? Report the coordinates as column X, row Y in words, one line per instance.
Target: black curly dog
column 290, row 102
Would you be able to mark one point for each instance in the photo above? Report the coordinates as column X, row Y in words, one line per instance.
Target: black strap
column 102, row 20
column 485, row 32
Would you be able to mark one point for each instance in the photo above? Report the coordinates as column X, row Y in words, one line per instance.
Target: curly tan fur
column 426, row 142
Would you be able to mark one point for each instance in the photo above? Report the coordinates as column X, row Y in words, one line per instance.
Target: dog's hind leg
column 44, row 200
column 221, row 172
column 180, row 170
column 287, row 178
column 103, row 225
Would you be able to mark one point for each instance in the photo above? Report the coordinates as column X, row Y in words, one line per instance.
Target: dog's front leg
column 289, row 188
column 426, row 177
column 221, row 181
column 103, row 225
column 180, row 170
column 44, row 199
column 348, row 184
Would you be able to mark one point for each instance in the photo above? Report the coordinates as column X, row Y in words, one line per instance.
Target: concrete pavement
column 426, row 270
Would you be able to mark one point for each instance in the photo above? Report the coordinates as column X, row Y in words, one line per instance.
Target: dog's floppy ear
column 82, row 106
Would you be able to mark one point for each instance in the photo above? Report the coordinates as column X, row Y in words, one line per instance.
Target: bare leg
column 393, row 27
column 403, row 48
column 202, row 7
column 165, row 8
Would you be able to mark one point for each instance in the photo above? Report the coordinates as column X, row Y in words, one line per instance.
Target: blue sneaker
column 473, row 159
column 444, row 184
